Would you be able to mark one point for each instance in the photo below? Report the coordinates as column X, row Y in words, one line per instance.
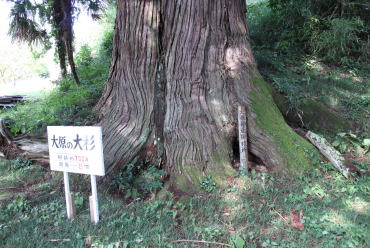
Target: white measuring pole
column 94, row 206
column 67, row 191
column 243, row 139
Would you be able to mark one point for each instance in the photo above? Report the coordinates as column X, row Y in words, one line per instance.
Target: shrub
column 336, row 31
column 341, row 40
column 84, row 56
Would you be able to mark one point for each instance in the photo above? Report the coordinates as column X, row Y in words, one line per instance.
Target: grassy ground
column 253, row 211
column 346, row 91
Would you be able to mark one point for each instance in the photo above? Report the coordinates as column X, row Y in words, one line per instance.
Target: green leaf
column 356, row 143
column 237, row 241
column 342, row 148
column 336, row 143
column 353, row 135
column 341, row 134
column 366, row 142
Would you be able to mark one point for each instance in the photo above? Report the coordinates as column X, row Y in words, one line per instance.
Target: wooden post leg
column 93, row 200
column 69, row 202
column 91, row 203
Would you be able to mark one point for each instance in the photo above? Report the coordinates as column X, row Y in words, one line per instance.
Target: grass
column 252, row 211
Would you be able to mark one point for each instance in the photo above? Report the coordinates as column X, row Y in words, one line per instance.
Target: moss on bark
column 315, row 116
column 294, row 150
column 191, row 176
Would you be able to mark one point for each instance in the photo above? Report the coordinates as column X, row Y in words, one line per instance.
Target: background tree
column 27, row 20
column 334, row 30
column 179, row 71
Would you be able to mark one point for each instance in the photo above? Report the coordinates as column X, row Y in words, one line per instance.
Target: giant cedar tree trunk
column 180, row 68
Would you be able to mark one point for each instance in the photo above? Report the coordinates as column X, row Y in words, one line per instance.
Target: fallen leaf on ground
column 297, row 220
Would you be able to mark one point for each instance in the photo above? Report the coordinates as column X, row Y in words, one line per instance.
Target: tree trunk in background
column 60, row 46
column 63, row 25
column 180, row 69
column 67, row 29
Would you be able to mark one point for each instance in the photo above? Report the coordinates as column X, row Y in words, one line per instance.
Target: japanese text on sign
column 243, row 146
column 76, row 150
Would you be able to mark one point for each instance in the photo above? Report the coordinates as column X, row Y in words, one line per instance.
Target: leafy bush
column 337, row 31
column 84, row 56
column 106, row 42
column 68, row 105
column 341, row 40
column 347, row 142
column 19, row 163
column 132, row 181
column 16, row 207
column 208, row 184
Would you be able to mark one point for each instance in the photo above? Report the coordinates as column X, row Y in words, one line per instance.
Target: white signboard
column 76, row 149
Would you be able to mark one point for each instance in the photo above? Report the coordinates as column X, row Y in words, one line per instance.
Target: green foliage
column 304, row 80
column 18, row 163
column 106, row 41
column 151, row 179
column 342, row 40
column 106, row 47
column 208, row 184
column 84, row 56
column 135, row 182
column 236, row 240
column 52, row 212
column 16, row 208
column 68, row 105
column 363, row 167
column 336, row 31
column 348, row 142
column 28, row 19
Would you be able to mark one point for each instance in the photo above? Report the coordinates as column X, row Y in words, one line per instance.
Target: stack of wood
column 10, row 101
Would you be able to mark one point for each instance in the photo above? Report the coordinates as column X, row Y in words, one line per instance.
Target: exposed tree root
column 33, row 147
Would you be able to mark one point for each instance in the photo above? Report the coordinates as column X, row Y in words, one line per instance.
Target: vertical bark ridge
column 199, row 116
column 126, row 107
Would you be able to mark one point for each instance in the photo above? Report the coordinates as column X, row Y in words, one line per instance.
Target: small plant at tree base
column 132, row 181
column 347, row 142
column 19, row 163
column 152, row 179
column 207, row 184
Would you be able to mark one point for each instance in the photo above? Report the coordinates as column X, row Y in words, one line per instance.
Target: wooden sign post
column 243, row 145
column 77, row 150
column 93, row 200
column 69, row 201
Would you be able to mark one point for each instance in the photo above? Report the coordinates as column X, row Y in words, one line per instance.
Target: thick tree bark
column 127, row 104
column 180, row 70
